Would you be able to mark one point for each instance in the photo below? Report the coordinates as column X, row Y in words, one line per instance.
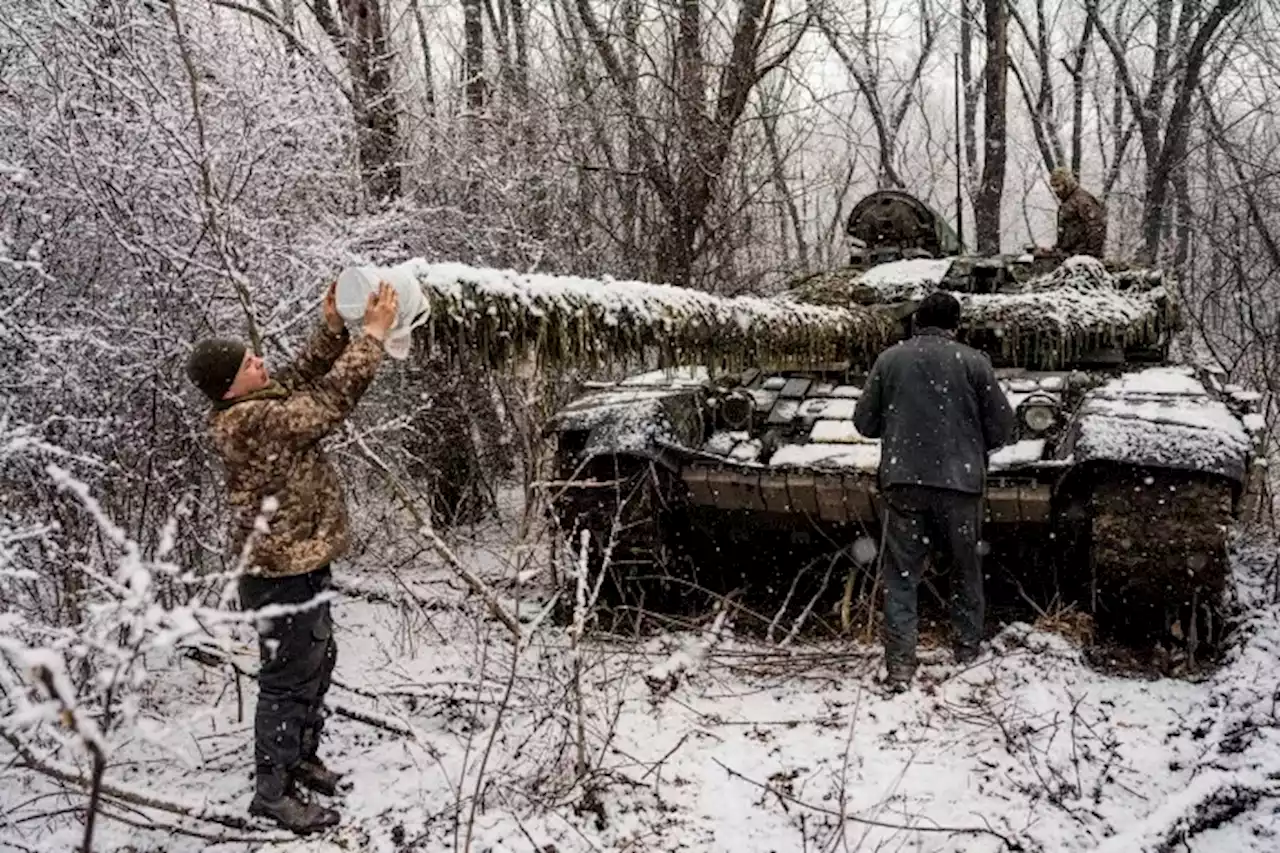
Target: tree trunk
column 369, row 58
column 1165, row 153
column 676, row 256
column 986, row 211
column 629, row 188
column 424, row 43
column 473, row 54
column 1174, row 149
column 1077, row 93
column 520, row 29
column 970, row 95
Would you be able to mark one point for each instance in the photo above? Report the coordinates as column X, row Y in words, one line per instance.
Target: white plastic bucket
column 412, row 309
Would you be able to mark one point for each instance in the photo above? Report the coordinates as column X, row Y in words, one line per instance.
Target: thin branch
column 426, row 530
column 125, row 795
column 842, row 815
column 294, row 42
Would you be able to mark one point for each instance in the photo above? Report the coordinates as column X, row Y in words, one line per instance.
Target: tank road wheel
column 1158, row 558
column 630, row 509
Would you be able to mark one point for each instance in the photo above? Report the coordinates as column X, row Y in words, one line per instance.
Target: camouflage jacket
column 1082, row 225
column 269, row 441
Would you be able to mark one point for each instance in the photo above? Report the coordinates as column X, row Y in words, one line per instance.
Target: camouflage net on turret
column 1073, row 311
column 499, row 316
column 1043, row 322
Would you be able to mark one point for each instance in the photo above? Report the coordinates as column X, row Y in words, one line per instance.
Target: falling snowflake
column 864, row 549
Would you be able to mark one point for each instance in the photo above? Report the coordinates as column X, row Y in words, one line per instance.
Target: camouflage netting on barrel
column 498, row 316
column 1077, row 309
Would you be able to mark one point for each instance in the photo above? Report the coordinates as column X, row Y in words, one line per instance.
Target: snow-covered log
column 1209, row 801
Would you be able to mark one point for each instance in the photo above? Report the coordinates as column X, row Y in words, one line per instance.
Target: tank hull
column 751, row 493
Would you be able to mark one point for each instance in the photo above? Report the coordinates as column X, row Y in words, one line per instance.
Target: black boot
column 898, row 676
column 293, row 814
column 313, row 774
column 275, row 797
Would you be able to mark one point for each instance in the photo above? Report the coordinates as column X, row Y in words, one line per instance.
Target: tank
column 694, row 486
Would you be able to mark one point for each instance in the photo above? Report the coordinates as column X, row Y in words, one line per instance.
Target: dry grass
column 1066, row 621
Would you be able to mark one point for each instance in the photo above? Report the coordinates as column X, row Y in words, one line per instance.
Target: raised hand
column 380, row 311
column 331, row 316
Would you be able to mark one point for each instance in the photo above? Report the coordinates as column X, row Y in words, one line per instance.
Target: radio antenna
column 959, row 179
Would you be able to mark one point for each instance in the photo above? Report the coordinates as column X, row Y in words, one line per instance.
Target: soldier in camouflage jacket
column 1082, row 220
column 290, row 523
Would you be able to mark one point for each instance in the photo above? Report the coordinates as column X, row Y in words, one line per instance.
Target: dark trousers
column 919, row 520
column 297, row 653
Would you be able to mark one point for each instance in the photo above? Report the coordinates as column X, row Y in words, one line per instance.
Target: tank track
column 1159, row 559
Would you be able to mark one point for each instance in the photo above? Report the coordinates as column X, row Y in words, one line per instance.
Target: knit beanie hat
column 1064, row 176
column 213, row 365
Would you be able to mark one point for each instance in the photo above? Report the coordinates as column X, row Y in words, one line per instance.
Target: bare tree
column 683, row 167
column 360, row 37
column 424, row 45
column 369, row 62
column 987, row 202
column 1076, row 68
column 789, row 210
column 972, row 88
column 860, row 61
column 1185, row 37
column 1040, row 104
column 1041, row 96
column 473, row 54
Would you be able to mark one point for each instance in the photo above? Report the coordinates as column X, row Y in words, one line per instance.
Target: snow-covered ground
column 703, row 742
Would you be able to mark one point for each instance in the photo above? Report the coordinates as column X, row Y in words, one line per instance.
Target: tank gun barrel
column 501, row 316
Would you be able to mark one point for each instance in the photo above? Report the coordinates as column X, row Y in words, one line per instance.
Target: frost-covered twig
column 488, row 747
column 664, row 677
column 813, row 601
column 162, row 828
column 124, row 794
column 122, row 624
column 844, row 762
column 1009, row 843
column 211, row 202
column 378, row 721
column 46, row 670
column 1211, row 800
column 427, row 531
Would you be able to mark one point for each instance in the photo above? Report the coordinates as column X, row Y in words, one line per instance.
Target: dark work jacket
column 936, row 407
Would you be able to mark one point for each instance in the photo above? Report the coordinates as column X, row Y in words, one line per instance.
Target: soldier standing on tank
column 1082, row 220
column 936, row 407
column 290, row 523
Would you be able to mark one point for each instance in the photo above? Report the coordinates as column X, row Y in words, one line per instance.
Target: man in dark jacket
column 936, row 407
column 290, row 522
